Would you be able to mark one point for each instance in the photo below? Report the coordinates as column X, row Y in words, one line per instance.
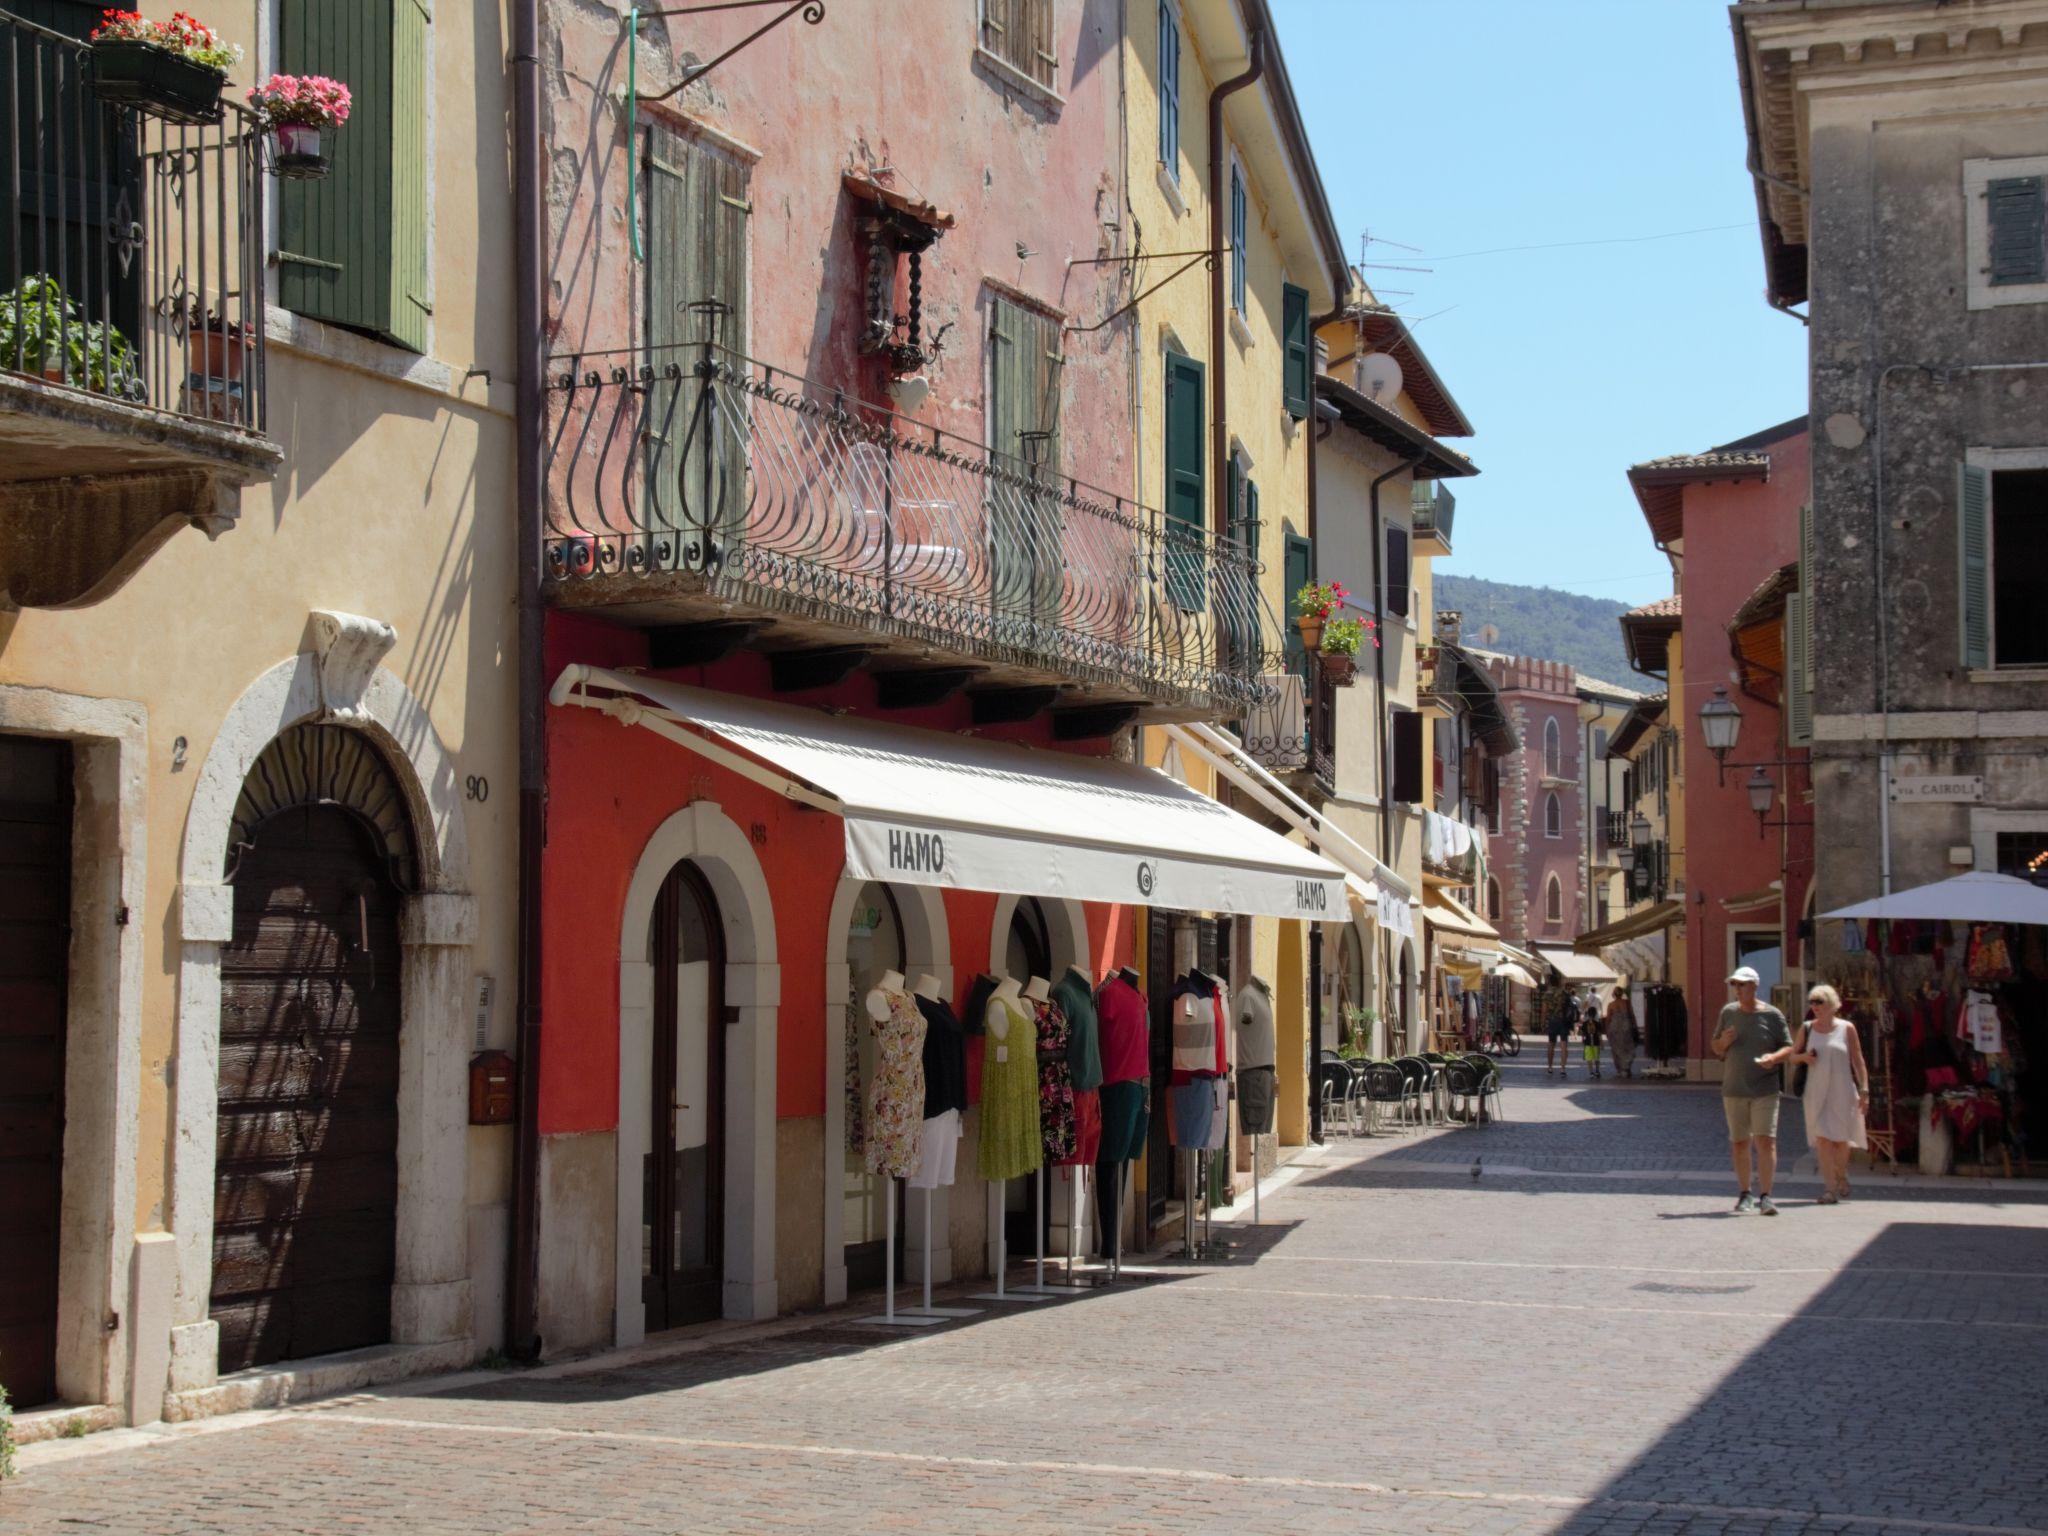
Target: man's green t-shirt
column 1756, row 1034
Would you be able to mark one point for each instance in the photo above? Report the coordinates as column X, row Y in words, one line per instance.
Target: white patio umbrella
column 1978, row 897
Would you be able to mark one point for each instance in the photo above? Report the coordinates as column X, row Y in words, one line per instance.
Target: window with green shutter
column 1799, row 606
column 1186, row 484
column 1169, row 88
column 1973, row 556
column 1026, row 530
column 1239, row 277
column 1296, row 375
column 2017, row 207
column 352, row 247
column 2011, row 506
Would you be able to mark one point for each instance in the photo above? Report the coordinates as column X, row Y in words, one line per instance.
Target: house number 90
column 479, row 787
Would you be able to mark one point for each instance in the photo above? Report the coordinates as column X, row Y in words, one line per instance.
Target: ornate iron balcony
column 1294, row 730
column 692, row 470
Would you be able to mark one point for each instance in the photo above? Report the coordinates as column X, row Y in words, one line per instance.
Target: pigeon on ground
column 1475, row 1167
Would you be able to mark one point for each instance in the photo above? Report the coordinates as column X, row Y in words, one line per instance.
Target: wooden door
column 35, row 963
column 306, row 1171
column 682, row 1247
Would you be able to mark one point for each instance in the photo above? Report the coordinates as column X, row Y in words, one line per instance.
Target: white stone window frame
column 1977, row 178
column 1986, row 823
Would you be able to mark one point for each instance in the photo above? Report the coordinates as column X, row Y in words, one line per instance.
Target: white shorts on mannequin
column 940, row 1152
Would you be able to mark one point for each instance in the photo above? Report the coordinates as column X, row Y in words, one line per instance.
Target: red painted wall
column 1736, row 534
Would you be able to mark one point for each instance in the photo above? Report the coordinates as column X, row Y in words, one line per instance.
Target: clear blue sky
column 1465, row 125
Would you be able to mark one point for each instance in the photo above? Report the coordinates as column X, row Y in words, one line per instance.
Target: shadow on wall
column 1884, row 1395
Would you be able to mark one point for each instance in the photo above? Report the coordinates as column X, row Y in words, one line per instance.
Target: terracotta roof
column 1385, row 332
column 1663, row 608
column 1768, row 600
column 1646, row 634
column 1649, row 709
column 1711, row 460
column 917, row 209
column 1606, row 689
column 1394, row 432
column 1659, row 483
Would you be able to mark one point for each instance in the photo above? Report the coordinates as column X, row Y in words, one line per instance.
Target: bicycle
column 1501, row 1039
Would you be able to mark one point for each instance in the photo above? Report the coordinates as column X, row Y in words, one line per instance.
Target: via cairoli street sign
column 1940, row 789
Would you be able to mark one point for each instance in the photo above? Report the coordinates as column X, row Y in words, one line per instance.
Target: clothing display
column 1009, row 1090
column 1200, row 1044
column 945, row 1058
column 939, row 1152
column 855, row 1099
column 1981, row 1026
column 895, row 1103
column 1087, row 1129
column 1257, row 1090
column 1830, row 1098
column 1190, row 1107
column 1126, row 1123
column 1665, row 1023
column 1219, row 1114
column 1084, row 1053
column 1124, row 1030
column 1055, row 1083
column 974, row 1014
column 1255, row 1041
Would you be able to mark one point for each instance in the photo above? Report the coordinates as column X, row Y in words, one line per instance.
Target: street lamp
column 1720, row 724
column 1639, row 830
column 1625, row 858
column 1761, row 791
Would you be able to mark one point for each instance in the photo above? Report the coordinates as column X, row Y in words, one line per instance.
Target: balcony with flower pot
column 132, row 363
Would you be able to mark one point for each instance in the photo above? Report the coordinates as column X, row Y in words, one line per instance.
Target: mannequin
column 945, row 1101
column 1129, row 976
column 895, row 1105
column 927, row 988
column 1124, row 1034
column 1038, row 989
column 878, row 996
column 1009, row 1108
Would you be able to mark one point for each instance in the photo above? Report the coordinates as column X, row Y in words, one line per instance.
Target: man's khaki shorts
column 1749, row 1118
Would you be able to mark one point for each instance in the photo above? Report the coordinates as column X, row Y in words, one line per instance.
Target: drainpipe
column 1219, row 193
column 1379, row 653
column 522, row 1338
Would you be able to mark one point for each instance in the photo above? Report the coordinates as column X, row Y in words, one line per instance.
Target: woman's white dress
column 1830, row 1097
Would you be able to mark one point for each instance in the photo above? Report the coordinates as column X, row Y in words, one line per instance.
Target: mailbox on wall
column 492, row 1079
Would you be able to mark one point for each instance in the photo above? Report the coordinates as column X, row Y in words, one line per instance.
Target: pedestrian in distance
column 1557, row 1030
column 1837, row 1096
column 1621, row 1032
column 1751, row 1038
column 1589, row 1033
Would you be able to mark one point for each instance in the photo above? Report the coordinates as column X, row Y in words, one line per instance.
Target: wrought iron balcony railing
column 132, row 264
column 1294, row 730
column 1614, row 829
column 694, row 465
column 1432, row 509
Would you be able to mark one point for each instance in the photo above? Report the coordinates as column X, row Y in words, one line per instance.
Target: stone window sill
column 1014, row 77
column 1241, row 331
column 2009, row 674
column 1169, row 188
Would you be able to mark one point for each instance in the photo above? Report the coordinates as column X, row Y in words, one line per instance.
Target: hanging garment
column 896, row 1093
column 1830, row 1098
column 1009, row 1092
column 939, row 1153
column 1124, row 1030
column 945, row 1058
column 974, row 1014
column 1055, row 1083
column 1084, row 1053
column 1989, row 959
column 1981, row 1026
column 855, row 1099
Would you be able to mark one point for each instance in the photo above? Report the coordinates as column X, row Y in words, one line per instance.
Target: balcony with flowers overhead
column 721, row 502
column 132, row 398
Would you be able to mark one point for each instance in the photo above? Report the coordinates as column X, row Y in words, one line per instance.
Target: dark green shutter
column 1186, row 485
column 1025, row 365
column 1239, row 277
column 1299, row 565
column 696, row 241
column 1399, row 573
column 1406, row 750
column 1974, row 524
column 353, row 246
column 1295, row 371
column 2018, row 210
column 1169, row 88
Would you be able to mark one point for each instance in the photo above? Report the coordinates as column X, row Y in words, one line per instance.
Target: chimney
column 1449, row 625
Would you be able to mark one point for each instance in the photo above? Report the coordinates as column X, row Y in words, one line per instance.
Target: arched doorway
column 306, row 1160
column 875, row 944
column 682, row 1187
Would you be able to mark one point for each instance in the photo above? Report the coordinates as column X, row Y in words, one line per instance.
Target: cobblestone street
column 1581, row 1340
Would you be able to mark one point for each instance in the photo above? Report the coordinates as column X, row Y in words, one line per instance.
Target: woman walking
column 1621, row 1032
column 1837, row 1093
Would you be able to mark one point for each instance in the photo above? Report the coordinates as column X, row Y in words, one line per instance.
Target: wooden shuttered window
column 1169, row 88
column 1399, row 574
column 695, row 237
column 1025, row 365
column 1186, row 482
column 1973, row 520
column 1240, row 279
column 1020, row 33
column 1799, row 642
column 352, row 247
column 1296, row 376
column 1406, row 788
column 2017, row 209
column 1299, row 572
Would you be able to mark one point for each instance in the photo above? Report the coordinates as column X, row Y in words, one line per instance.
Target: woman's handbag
column 1799, row 1072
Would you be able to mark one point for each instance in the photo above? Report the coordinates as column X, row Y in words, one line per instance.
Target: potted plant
column 298, row 109
column 1339, row 651
column 41, row 332
column 169, row 69
column 1314, row 604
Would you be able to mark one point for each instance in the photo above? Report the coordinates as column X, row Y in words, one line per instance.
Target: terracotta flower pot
column 216, row 354
column 1339, row 671
column 1311, row 627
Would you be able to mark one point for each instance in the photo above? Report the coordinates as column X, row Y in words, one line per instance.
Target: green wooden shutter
column 1169, row 88
column 1186, row 485
column 1798, row 677
column 1239, row 277
column 1399, row 572
column 353, row 246
column 1974, row 526
column 1300, row 571
column 2018, row 211
column 1295, row 371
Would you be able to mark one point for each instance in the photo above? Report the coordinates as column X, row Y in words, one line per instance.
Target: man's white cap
column 1746, row 973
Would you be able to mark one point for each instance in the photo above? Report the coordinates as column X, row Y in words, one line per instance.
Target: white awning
column 932, row 808
column 1574, row 967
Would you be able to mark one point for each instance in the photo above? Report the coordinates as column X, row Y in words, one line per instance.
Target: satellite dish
column 1379, row 376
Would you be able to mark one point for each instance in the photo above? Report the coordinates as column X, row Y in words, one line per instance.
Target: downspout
column 1379, row 654
column 522, row 1339
column 1219, row 401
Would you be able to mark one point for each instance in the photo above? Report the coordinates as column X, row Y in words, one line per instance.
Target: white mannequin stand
column 928, row 987
column 1007, row 991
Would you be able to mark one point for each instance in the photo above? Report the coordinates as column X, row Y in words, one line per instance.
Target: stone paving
column 1592, row 1346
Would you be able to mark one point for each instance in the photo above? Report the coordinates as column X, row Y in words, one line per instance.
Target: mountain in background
column 1544, row 623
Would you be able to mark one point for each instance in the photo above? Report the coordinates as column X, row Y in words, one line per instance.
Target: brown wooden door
column 682, row 1188
column 306, row 1172
column 35, row 962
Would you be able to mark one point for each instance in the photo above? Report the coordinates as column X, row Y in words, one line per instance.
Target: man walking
column 1749, row 1093
column 1558, row 1014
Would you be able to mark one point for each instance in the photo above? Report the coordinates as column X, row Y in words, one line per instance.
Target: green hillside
column 1542, row 622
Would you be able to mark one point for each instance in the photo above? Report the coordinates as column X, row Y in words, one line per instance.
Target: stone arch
column 703, row 834
column 928, row 950
column 1066, row 927
column 336, row 680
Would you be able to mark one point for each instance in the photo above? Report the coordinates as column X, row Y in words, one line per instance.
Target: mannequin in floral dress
column 895, row 1118
column 1055, row 1075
